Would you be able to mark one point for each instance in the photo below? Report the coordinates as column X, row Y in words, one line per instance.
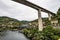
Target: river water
column 12, row 35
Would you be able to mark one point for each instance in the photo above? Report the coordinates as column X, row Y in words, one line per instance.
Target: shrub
column 48, row 33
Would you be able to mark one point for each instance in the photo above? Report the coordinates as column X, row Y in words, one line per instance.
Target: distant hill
column 43, row 19
column 24, row 22
column 10, row 22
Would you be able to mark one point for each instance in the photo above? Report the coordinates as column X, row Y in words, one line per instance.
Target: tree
column 58, row 15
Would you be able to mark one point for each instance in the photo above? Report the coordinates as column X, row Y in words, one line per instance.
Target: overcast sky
column 22, row 12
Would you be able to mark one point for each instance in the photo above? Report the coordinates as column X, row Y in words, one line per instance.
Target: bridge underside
column 27, row 3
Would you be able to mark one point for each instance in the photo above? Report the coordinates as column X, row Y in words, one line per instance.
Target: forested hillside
column 9, row 22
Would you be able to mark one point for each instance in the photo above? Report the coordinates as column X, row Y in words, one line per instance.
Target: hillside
column 9, row 22
column 43, row 19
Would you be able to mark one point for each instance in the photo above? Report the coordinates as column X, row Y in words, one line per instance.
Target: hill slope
column 9, row 22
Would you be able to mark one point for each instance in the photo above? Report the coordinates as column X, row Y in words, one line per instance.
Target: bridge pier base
column 40, row 23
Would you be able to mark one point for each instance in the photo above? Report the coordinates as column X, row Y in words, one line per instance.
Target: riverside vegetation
column 48, row 33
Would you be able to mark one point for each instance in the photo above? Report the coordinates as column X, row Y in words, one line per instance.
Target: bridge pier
column 49, row 16
column 40, row 23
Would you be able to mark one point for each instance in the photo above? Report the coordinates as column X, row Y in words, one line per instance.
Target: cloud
column 3, row 13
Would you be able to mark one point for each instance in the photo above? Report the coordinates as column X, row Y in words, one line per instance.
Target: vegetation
column 58, row 15
column 8, row 22
column 49, row 33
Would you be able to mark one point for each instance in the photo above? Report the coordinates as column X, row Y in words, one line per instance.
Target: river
column 12, row 35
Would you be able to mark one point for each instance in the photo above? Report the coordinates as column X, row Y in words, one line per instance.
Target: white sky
column 22, row 12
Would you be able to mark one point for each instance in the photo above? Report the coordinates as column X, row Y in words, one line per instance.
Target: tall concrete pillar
column 40, row 24
column 49, row 16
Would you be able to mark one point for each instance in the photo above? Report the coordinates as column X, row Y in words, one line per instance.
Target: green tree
column 58, row 15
